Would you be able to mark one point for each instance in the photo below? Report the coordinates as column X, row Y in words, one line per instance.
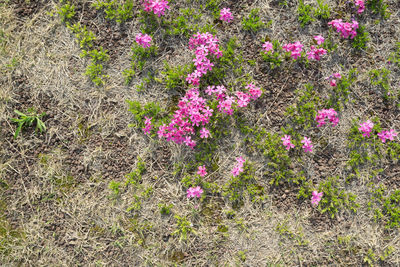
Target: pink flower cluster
column 148, row 125
column 307, row 146
column 294, row 49
column 238, row 169
column 205, row 44
column 346, row 29
column 226, row 15
column 194, row 192
column 320, row 40
column 366, row 128
column 268, row 46
column 202, row 171
column 226, row 102
column 331, row 114
column 316, row 198
column 383, row 135
column 332, row 81
column 287, row 142
column 243, row 99
column 192, row 111
column 143, row 40
column 360, row 5
column 158, row 7
column 317, row 52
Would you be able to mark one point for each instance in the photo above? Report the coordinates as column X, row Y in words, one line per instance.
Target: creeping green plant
column 95, row 73
column 114, row 186
column 165, row 209
column 378, row 7
column 84, row 37
column 379, row 78
column 334, row 198
column 184, row 227
column 391, row 209
column 323, row 10
column 66, row 12
column 361, row 39
column 273, row 57
column 114, row 10
column 305, row 13
column 253, row 22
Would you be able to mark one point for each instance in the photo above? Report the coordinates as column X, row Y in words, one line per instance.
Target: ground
column 57, row 207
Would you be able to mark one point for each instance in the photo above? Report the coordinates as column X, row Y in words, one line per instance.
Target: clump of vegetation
column 140, row 110
column 85, row 39
column 66, row 13
column 253, row 22
column 115, row 11
column 378, row 7
column 322, row 11
column 273, row 57
column 29, row 118
column 386, row 208
column 184, row 227
column 361, row 39
column 236, row 187
column 380, row 78
column 303, row 113
column 305, row 13
column 140, row 55
column 174, row 77
column 341, row 92
column 335, row 198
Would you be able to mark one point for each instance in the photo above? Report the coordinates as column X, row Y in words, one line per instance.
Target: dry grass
column 57, row 209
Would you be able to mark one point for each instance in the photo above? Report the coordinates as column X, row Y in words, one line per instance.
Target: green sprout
column 27, row 120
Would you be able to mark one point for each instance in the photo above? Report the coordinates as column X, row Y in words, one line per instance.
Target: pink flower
column 238, row 168
column 286, row 142
column 337, row 75
column 316, row 198
column 320, row 40
column 391, row 134
column 366, row 128
column 333, row 82
column 226, row 15
column 361, row 6
column 194, row 192
column 294, row 49
column 143, row 40
column 315, row 53
column 210, row 90
column 307, row 146
column 243, row 99
column 204, row 133
column 331, row 114
column 240, row 160
column 157, row 6
column 254, row 91
column 267, row 47
column 205, row 45
column 383, row 135
column 202, row 171
column 148, row 125
column 346, row 29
